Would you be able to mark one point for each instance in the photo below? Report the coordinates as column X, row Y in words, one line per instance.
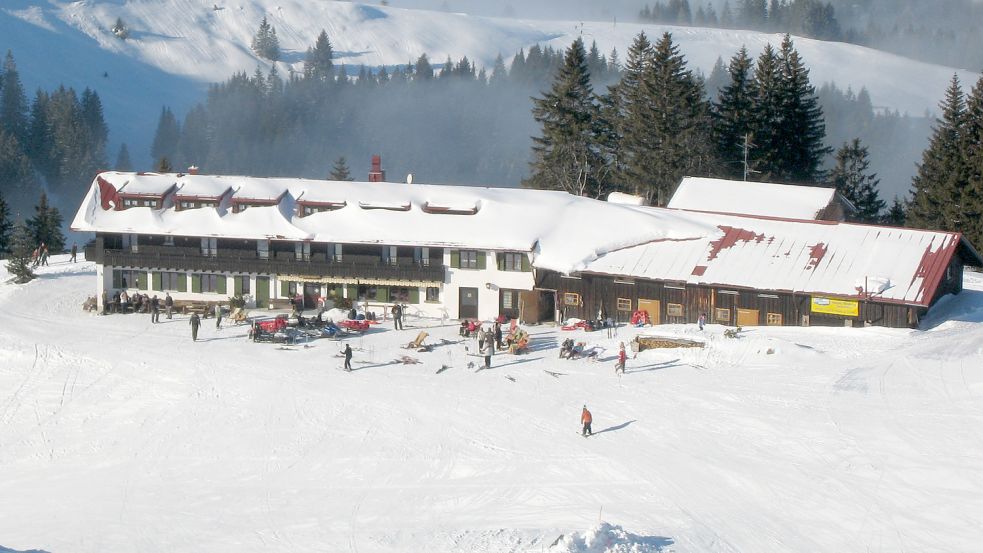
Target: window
column 469, row 259
column 302, row 251
column 335, row 251
column 209, row 247
column 130, row 242
column 210, row 284
column 507, row 299
column 128, row 278
column 674, row 309
column 188, row 205
column 241, row 285
column 367, row 292
column 399, row 294
column 721, row 315
column 291, row 289
column 170, row 281
column 263, row 249
column 433, row 294
column 774, row 319
column 513, row 261
column 624, row 304
column 168, row 240
column 389, row 255
column 422, row 256
column 569, row 298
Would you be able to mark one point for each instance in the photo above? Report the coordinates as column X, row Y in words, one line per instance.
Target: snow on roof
column 150, row 184
column 751, row 198
column 565, row 231
column 902, row 265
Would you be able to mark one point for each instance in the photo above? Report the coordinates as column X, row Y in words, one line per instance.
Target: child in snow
column 586, row 419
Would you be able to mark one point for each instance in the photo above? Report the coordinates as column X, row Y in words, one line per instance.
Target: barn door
column 653, row 308
column 747, row 317
column 529, row 306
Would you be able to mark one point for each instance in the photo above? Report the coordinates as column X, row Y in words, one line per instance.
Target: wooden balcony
column 280, row 263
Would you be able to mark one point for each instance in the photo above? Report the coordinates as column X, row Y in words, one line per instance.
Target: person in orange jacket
column 585, row 419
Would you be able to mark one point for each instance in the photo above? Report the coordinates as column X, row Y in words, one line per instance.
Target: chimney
column 377, row 174
column 193, row 170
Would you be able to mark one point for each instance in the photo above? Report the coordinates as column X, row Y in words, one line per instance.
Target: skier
column 489, row 350
column 397, row 312
column 619, row 368
column 195, row 322
column 585, row 419
column 168, row 304
column 155, row 309
column 218, row 316
column 44, row 254
column 75, row 251
column 348, row 357
column 702, row 320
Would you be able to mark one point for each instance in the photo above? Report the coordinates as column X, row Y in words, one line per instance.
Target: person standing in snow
column 498, row 335
column 168, row 304
column 44, row 254
column 218, row 316
column 348, row 357
column 195, row 322
column 586, row 419
column 75, row 251
column 397, row 312
column 702, row 320
column 155, row 309
column 489, row 350
column 619, row 368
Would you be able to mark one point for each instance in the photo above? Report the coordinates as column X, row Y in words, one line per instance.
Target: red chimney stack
column 377, row 174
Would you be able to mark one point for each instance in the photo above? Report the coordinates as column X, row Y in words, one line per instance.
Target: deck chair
column 418, row 342
column 238, row 315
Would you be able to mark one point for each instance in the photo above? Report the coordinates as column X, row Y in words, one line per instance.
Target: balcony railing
column 282, row 263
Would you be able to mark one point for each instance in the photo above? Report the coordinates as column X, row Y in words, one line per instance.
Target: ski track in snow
column 116, row 434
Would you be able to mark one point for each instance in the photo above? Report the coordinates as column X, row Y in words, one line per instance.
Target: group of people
column 40, row 255
column 123, row 302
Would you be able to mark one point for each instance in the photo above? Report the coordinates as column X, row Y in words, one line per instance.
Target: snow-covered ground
column 120, row 435
column 176, row 47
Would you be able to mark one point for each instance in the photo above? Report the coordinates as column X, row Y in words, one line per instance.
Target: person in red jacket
column 619, row 368
column 585, row 419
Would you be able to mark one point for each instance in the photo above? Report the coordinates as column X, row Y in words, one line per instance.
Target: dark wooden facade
column 586, row 295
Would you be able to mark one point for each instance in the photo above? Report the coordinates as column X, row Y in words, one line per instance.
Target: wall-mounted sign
column 830, row 306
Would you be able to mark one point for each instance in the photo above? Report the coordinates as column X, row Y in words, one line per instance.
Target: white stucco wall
column 488, row 281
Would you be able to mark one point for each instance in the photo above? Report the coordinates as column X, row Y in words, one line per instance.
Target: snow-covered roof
column 564, row 230
column 147, row 184
column 811, row 257
column 751, row 198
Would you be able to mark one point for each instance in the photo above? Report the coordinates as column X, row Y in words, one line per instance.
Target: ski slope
column 177, row 47
column 116, row 434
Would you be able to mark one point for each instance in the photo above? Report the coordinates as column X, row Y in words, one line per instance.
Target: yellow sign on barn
column 847, row 308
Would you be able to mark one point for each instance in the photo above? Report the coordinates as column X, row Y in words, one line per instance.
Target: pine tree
column 666, row 129
column 120, row 30
column 937, row 183
column 194, row 145
column 13, row 102
column 500, row 74
column 17, row 178
column 895, row 215
column 851, row 176
column 163, row 166
column 123, row 162
column 423, row 69
column 45, row 226
column 6, row 226
column 733, row 114
column 340, row 170
column 167, row 136
column 317, row 63
column 567, row 156
column 265, row 43
column 766, row 137
column 21, row 247
column 803, row 129
column 624, row 111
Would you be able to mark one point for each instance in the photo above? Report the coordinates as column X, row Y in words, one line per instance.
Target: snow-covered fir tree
column 21, row 247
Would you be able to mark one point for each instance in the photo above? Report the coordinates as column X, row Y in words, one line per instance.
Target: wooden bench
column 202, row 308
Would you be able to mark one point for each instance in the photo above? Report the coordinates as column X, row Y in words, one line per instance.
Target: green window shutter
column 196, row 283
column 182, row 283
column 500, row 261
column 414, row 295
column 237, row 286
column 142, row 280
column 155, row 280
column 117, row 278
column 525, row 263
column 481, row 260
column 352, row 291
column 220, row 284
column 382, row 293
column 456, row 259
column 284, row 289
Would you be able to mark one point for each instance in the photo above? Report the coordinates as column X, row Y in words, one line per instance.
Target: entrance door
column 653, row 308
column 312, row 291
column 529, row 306
column 262, row 292
column 747, row 317
column 468, row 304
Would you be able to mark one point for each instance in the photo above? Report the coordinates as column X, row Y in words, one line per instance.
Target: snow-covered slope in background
column 177, row 46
